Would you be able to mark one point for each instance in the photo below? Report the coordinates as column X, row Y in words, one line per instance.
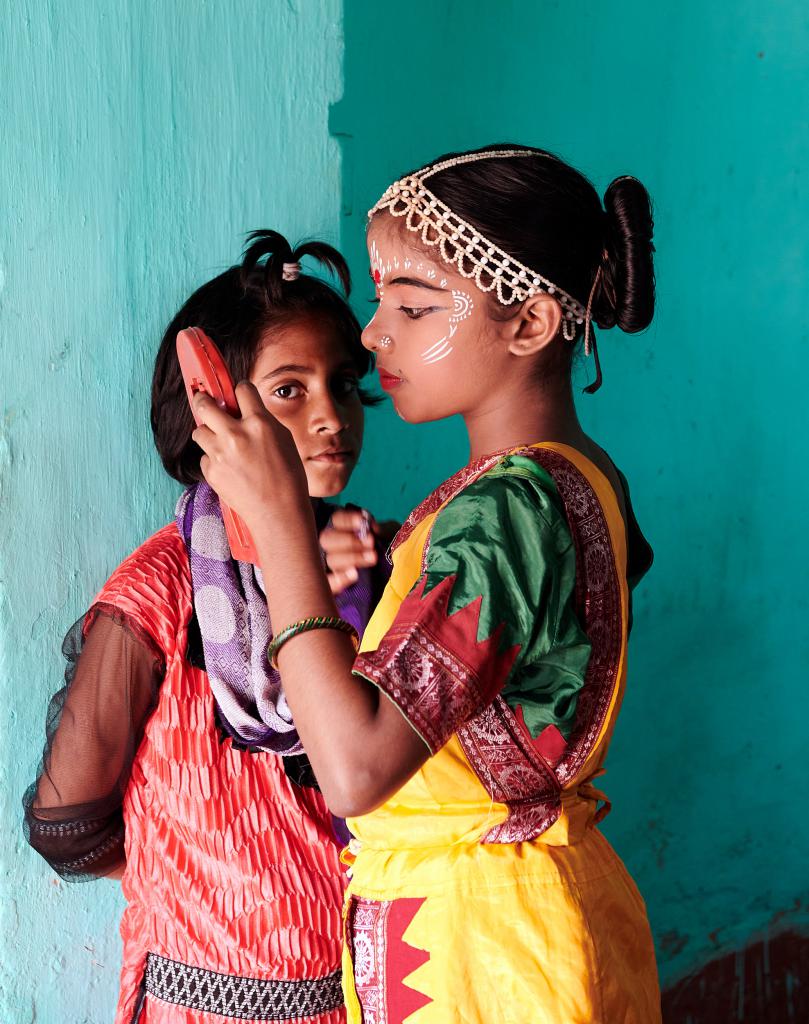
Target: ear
column 536, row 325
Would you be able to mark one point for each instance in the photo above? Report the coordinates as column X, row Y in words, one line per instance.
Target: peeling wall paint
column 705, row 412
column 763, row 983
column 140, row 140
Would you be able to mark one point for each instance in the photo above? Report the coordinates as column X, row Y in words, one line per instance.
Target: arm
column 73, row 812
column 361, row 747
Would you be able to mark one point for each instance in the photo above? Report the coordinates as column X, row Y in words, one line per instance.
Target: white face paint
column 462, row 306
column 379, row 271
column 379, row 268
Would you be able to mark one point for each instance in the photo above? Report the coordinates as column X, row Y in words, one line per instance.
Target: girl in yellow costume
column 464, row 739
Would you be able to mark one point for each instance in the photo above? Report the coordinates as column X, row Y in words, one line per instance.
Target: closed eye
column 417, row 312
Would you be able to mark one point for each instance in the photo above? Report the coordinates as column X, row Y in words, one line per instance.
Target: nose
column 370, row 336
column 374, row 338
column 328, row 415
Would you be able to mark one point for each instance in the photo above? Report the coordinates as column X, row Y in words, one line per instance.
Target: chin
column 325, row 484
column 420, row 412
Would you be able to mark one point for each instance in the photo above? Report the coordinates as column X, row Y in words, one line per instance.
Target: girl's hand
column 348, row 544
column 252, row 463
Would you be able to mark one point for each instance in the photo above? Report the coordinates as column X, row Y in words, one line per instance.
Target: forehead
column 315, row 342
column 390, row 238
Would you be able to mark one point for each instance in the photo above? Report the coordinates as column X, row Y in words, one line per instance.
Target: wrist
column 284, row 528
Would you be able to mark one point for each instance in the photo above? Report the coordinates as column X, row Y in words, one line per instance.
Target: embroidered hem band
column 241, row 998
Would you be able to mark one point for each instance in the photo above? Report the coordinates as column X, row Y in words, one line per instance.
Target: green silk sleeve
column 491, row 615
column 505, row 542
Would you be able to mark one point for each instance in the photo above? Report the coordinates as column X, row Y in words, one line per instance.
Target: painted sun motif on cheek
column 462, row 306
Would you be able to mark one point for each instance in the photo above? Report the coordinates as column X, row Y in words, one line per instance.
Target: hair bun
column 627, row 295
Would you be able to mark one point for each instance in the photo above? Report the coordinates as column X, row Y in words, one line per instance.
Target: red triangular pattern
column 550, row 743
column 402, row 960
column 458, row 632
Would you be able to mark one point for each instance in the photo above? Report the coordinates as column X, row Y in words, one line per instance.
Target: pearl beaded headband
column 460, row 243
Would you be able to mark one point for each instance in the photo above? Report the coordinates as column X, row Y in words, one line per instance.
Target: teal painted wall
column 140, row 140
column 706, row 412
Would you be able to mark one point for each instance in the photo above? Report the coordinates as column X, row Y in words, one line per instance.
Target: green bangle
column 304, row 626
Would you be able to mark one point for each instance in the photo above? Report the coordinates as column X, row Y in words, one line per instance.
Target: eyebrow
column 347, row 364
column 416, row 282
column 287, row 368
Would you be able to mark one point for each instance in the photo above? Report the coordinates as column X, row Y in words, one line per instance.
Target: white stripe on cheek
column 440, row 349
column 441, row 354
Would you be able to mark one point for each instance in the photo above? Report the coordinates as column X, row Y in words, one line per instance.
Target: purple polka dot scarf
column 235, row 626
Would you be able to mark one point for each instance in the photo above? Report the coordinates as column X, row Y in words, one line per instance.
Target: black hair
column 237, row 309
column 547, row 215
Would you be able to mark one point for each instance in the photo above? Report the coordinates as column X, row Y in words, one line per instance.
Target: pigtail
column 328, row 257
column 278, row 250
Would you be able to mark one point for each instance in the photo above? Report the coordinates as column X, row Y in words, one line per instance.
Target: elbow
column 358, row 792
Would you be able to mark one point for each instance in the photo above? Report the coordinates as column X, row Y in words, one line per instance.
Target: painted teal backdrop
column 705, row 103
column 140, row 140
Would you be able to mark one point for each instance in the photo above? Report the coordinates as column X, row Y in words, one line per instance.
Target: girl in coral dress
column 172, row 757
column 465, row 740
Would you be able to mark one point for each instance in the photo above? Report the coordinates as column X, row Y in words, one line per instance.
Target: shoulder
column 512, row 505
column 153, row 586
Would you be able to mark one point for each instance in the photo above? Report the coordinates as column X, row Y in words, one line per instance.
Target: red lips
column 387, row 381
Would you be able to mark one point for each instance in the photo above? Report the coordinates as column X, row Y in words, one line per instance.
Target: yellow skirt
column 513, row 934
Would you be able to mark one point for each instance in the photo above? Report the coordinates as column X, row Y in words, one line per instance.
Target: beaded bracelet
column 304, row 626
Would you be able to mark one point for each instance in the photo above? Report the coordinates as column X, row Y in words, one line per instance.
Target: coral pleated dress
column 483, row 891
column 232, row 880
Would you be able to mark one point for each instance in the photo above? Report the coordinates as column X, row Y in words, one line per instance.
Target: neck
column 534, row 414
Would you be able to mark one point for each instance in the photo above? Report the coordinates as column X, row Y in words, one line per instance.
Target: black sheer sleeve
column 73, row 812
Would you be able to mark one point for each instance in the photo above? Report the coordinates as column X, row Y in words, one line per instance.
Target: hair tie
column 291, row 272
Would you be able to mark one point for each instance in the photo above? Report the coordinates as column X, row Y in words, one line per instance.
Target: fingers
column 350, row 558
column 204, row 437
column 249, row 400
column 208, row 413
column 348, row 519
column 338, row 581
column 349, row 546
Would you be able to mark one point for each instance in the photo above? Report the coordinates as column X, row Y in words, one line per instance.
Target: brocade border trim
column 368, row 938
column 432, row 684
column 447, row 490
column 512, row 772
